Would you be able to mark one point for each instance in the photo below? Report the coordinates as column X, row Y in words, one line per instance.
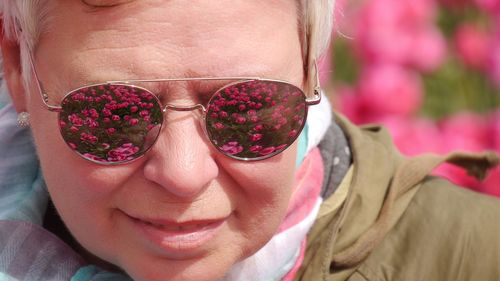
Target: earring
column 23, row 119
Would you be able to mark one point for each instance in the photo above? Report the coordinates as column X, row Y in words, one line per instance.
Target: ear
column 11, row 60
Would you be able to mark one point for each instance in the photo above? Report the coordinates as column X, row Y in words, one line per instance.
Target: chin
column 189, row 270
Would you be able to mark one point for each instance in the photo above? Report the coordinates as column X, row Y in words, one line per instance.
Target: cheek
column 265, row 189
column 79, row 189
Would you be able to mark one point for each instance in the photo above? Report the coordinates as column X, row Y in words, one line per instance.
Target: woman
column 165, row 132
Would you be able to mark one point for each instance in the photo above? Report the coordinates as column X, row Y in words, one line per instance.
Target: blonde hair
column 315, row 25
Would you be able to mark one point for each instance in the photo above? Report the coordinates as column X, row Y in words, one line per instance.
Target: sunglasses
column 116, row 122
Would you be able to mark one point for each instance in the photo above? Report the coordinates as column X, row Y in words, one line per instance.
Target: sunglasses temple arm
column 317, row 88
column 45, row 97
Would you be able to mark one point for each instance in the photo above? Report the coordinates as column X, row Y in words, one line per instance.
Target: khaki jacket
column 399, row 223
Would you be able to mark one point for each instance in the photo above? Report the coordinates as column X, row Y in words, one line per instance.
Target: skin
column 182, row 178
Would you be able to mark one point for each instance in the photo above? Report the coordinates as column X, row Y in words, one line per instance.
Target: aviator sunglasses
column 116, row 122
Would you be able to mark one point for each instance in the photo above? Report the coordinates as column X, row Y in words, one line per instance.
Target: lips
column 177, row 239
column 177, row 227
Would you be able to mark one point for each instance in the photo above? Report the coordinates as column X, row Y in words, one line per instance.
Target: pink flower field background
column 429, row 70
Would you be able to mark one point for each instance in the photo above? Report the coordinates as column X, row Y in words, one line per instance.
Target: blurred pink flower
column 455, row 3
column 389, row 89
column 490, row 6
column 400, row 32
column 465, row 131
column 494, row 58
column 458, row 176
column 429, row 49
column 414, row 136
column 494, row 130
column 349, row 104
column 473, row 46
column 491, row 184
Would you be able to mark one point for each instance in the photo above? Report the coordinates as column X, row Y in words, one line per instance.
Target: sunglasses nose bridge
column 188, row 108
column 184, row 107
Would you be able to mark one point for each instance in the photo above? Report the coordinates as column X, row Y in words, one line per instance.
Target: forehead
column 179, row 29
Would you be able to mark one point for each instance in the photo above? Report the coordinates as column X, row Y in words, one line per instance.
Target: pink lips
column 178, row 238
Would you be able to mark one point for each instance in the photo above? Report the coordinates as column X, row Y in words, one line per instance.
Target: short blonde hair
column 315, row 25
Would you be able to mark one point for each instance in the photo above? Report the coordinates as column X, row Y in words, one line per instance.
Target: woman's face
column 184, row 211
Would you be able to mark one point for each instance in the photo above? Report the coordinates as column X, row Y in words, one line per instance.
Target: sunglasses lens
column 109, row 123
column 255, row 119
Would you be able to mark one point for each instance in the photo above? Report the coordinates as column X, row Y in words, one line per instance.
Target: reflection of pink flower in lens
column 242, row 107
column 92, row 157
column 93, row 113
column 86, row 137
column 134, row 109
column 256, row 137
column 62, row 124
column 73, row 129
column 91, row 123
column 281, row 146
column 241, row 120
column 144, row 113
column 220, row 102
column 232, row 148
column 133, row 121
column 85, row 112
column 115, row 118
column 123, row 152
column 254, row 118
column 219, row 126
column 258, row 127
column 72, row 145
column 77, row 121
column 106, row 112
column 282, row 121
column 292, row 133
column 223, row 114
column 110, row 131
column 255, row 148
column 267, row 150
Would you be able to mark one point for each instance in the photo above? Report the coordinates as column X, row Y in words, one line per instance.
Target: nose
column 181, row 161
